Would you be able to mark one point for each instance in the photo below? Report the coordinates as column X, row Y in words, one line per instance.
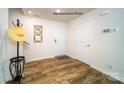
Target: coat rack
column 16, row 66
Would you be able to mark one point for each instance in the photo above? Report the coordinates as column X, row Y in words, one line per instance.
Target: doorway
column 82, row 41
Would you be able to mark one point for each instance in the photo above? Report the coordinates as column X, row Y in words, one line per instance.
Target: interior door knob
column 55, row 41
column 88, row 45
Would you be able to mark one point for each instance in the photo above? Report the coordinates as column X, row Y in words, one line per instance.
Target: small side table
column 16, row 68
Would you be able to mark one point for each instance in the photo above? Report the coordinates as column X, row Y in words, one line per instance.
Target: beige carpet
column 63, row 70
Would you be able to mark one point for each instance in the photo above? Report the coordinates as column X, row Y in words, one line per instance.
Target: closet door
column 83, row 42
column 59, row 41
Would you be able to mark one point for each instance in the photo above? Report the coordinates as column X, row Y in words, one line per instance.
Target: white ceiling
column 47, row 13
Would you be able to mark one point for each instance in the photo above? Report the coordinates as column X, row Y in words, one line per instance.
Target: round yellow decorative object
column 17, row 34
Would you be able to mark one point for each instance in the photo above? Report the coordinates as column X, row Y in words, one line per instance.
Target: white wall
column 4, row 60
column 51, row 31
column 107, row 49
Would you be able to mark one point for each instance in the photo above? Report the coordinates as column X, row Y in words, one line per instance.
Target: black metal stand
column 18, row 76
column 16, row 66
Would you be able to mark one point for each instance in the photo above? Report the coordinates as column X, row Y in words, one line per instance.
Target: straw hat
column 17, row 34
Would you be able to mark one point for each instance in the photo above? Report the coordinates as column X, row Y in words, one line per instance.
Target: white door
column 59, row 41
column 83, row 42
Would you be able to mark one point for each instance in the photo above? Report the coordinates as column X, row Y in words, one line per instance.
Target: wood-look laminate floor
column 63, row 70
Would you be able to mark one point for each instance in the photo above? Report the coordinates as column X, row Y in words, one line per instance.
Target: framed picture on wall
column 38, row 37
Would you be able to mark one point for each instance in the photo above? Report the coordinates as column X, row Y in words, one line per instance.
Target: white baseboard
column 106, row 72
column 30, row 60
